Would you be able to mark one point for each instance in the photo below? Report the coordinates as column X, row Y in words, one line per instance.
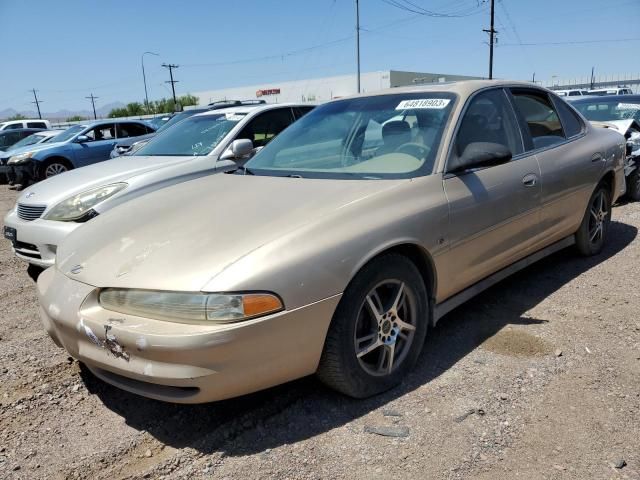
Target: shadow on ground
column 304, row 408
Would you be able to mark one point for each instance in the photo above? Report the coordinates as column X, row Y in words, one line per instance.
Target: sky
column 70, row 49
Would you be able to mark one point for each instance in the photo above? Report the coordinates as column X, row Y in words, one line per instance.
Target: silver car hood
column 180, row 237
column 55, row 189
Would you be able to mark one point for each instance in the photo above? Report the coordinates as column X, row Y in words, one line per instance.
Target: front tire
column 53, row 167
column 378, row 329
column 594, row 229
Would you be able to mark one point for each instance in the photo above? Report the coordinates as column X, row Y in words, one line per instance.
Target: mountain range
column 62, row 115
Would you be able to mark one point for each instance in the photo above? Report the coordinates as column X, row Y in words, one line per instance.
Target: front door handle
column 530, row 180
column 597, row 157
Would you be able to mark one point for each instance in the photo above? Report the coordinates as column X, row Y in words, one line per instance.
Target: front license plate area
column 11, row 234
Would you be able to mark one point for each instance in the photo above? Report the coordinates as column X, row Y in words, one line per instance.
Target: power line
column 575, row 42
column 409, row 6
column 173, row 82
column 37, row 102
column 93, row 104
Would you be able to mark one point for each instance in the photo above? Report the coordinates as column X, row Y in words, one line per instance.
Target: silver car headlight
column 20, row 158
column 77, row 206
column 189, row 307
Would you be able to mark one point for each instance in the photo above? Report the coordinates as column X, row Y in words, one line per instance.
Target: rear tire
column 378, row 329
column 633, row 184
column 592, row 234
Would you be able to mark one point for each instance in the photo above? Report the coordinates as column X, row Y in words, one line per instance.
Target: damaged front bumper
column 177, row 362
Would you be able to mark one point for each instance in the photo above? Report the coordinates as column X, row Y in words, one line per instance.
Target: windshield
column 602, row 110
column 385, row 136
column 30, row 140
column 69, row 133
column 197, row 135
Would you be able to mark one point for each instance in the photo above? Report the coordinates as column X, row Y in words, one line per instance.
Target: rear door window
column 540, row 116
column 36, row 125
column 131, row 129
column 267, row 125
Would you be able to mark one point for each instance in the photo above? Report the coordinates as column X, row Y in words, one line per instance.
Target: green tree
column 76, row 118
column 17, row 116
column 163, row 105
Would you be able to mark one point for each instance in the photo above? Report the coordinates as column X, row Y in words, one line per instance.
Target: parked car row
column 578, row 92
column 244, row 247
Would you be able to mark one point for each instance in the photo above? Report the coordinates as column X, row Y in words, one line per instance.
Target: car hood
column 36, row 147
column 181, row 237
column 57, row 188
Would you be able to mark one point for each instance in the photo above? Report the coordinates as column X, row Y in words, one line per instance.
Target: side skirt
column 459, row 298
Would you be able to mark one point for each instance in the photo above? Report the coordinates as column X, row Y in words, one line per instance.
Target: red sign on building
column 269, row 91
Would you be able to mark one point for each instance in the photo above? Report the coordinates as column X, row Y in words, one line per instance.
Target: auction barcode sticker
column 423, row 103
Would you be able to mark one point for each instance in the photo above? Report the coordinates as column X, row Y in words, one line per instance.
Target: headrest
column 395, row 127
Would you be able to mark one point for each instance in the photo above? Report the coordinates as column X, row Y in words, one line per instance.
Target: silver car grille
column 30, row 212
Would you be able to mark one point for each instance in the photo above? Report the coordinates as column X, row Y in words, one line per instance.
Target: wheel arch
column 418, row 255
column 42, row 164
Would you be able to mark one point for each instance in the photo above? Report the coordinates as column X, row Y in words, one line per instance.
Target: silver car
column 212, row 142
column 336, row 247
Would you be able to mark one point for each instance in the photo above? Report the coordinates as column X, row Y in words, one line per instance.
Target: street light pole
column 358, row 41
column 144, row 78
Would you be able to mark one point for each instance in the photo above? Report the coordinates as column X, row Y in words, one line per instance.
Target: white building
column 323, row 89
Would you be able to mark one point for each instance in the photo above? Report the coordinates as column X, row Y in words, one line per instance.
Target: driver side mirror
column 480, row 154
column 239, row 148
column 82, row 139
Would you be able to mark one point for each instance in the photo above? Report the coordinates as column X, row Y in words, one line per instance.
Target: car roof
column 32, row 130
column 463, row 88
column 244, row 109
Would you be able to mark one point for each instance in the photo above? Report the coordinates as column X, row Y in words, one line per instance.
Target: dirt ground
column 537, row 378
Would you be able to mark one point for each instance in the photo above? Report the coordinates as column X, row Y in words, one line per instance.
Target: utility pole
column 171, row 66
column 533, row 79
column 592, row 78
column 358, row 42
column 93, row 104
column 491, row 31
column 37, row 102
column 144, row 78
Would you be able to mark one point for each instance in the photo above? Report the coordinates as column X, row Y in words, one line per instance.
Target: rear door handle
column 530, row 180
column 597, row 157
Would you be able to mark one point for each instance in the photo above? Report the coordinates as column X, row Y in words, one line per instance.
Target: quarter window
column 489, row 118
column 570, row 121
column 36, row 125
column 541, row 118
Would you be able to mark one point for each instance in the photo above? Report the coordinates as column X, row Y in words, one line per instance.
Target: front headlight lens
column 77, row 206
column 189, row 307
column 20, row 158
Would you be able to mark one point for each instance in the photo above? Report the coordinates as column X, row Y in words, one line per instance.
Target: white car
column 206, row 143
column 611, row 91
column 26, row 123
column 574, row 92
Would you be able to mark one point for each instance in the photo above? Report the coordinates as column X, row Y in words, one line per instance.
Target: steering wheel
column 414, row 149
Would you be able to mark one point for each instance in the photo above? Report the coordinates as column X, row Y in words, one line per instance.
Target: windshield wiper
column 243, row 169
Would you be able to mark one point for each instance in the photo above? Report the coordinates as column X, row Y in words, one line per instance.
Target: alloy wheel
column 385, row 327
column 54, row 169
column 598, row 214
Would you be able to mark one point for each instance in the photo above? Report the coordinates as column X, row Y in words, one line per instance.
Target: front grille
column 30, row 212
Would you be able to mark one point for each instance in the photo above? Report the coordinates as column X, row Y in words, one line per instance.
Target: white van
column 611, row 91
column 571, row 93
column 26, row 123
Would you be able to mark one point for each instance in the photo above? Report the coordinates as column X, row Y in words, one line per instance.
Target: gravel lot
column 536, row 378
